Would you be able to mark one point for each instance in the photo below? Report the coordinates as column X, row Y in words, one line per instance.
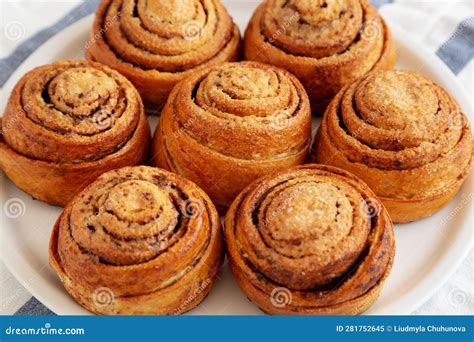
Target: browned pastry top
column 135, row 219
column 168, row 36
column 319, row 28
column 313, row 28
column 396, row 120
column 310, row 222
column 256, row 105
column 307, row 227
column 71, row 111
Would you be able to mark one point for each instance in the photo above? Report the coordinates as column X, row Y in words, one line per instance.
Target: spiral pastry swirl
column 402, row 134
column 146, row 237
column 313, row 239
column 68, row 122
column 155, row 44
column 226, row 126
column 325, row 43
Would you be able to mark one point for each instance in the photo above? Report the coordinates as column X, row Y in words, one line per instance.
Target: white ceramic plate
column 428, row 251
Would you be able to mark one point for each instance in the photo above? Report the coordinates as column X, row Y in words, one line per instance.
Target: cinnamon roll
column 68, row 122
column 139, row 240
column 326, row 44
column 226, row 126
column 155, row 44
column 313, row 239
column 403, row 135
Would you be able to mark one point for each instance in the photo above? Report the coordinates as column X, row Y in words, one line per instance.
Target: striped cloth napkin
column 446, row 27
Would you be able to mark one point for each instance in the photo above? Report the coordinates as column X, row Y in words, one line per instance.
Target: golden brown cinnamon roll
column 139, row 240
column 155, row 44
column 404, row 136
column 224, row 127
column 68, row 122
column 313, row 239
column 326, row 44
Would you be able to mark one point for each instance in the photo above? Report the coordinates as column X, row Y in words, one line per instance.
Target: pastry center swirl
column 168, row 10
column 308, row 211
column 313, row 28
column 397, row 100
column 318, row 12
column 80, row 91
column 305, row 228
column 246, row 83
column 401, row 119
column 171, row 18
column 73, row 112
column 78, row 100
column 244, row 90
column 128, row 221
column 310, row 217
column 138, row 201
column 166, row 36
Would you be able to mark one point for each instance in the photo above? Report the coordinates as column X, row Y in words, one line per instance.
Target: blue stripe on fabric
column 380, row 3
column 34, row 308
column 458, row 50
column 10, row 63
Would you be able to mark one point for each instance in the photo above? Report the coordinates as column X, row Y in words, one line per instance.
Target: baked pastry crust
column 66, row 123
column 156, row 44
column 325, row 44
column 313, row 239
column 139, row 240
column 405, row 136
column 224, row 127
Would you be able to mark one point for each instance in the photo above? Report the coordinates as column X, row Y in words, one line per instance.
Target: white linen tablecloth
column 445, row 27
